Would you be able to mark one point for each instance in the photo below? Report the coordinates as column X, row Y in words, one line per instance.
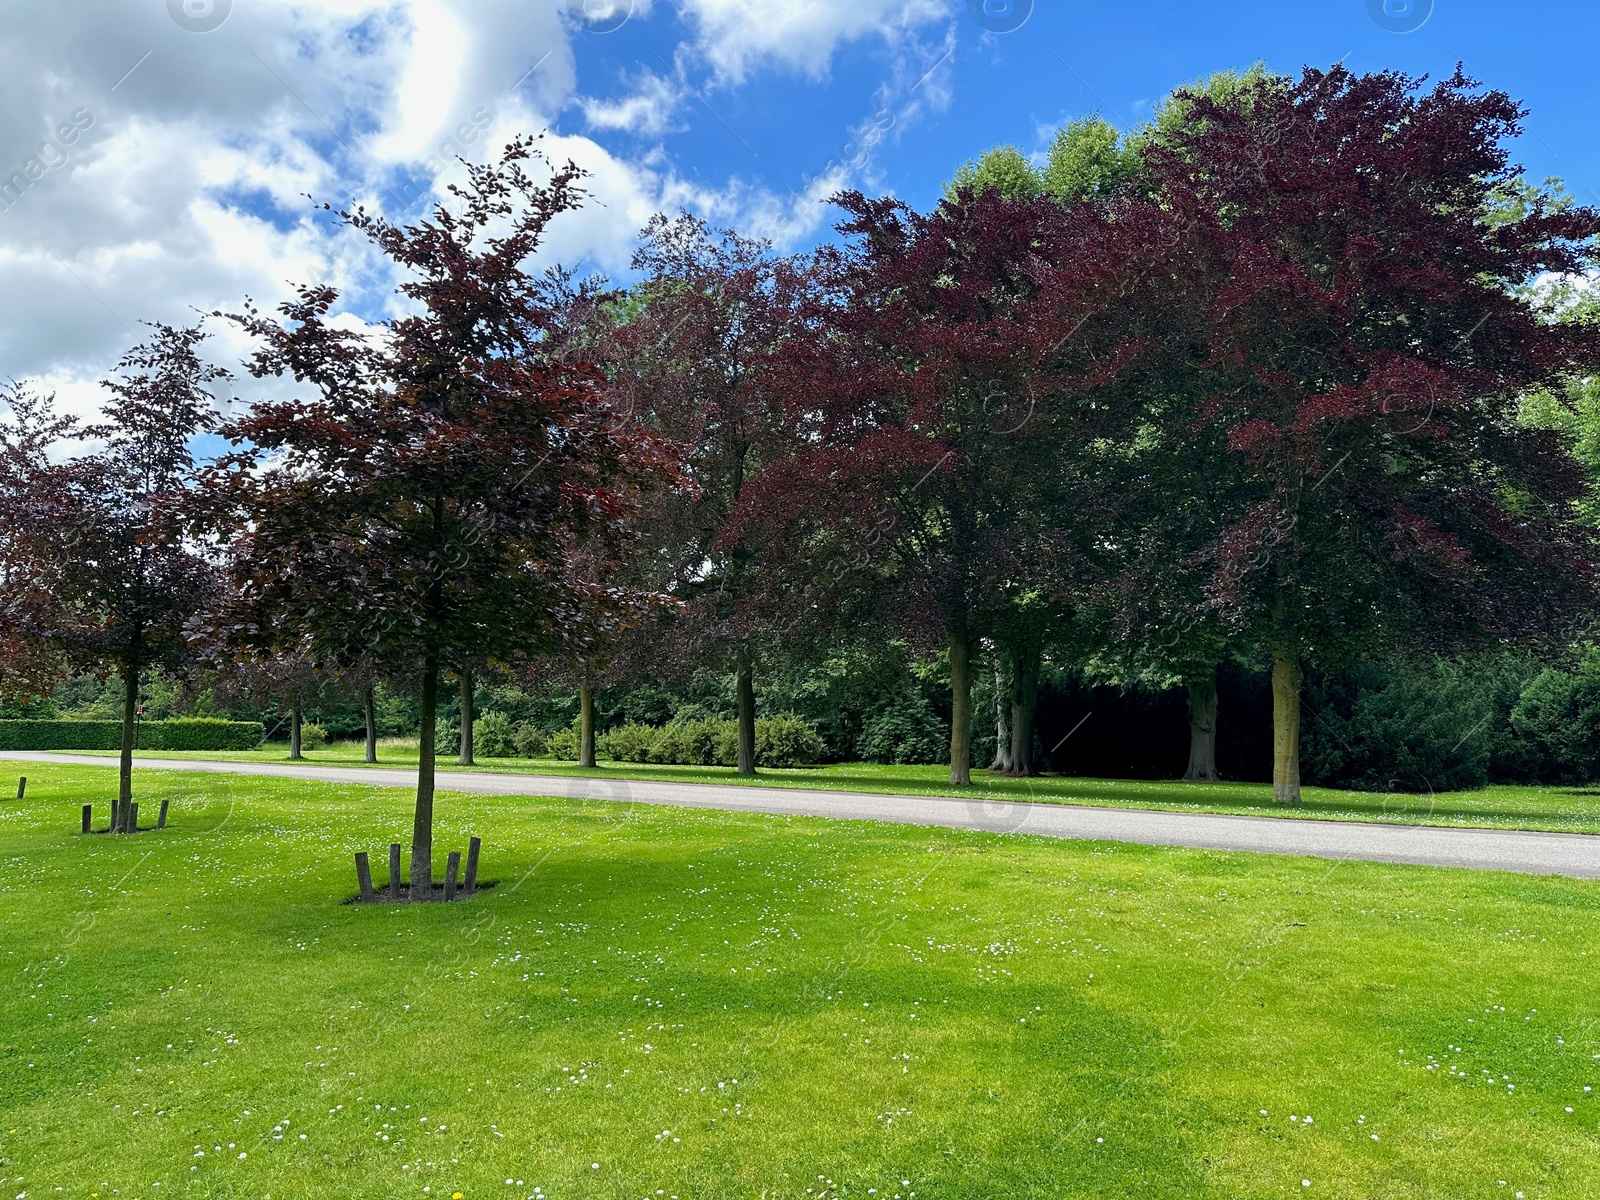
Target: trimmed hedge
column 184, row 733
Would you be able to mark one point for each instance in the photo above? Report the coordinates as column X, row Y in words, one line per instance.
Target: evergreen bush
column 906, row 732
column 529, row 740
column 493, row 736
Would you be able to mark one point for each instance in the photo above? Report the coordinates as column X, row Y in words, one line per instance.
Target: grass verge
column 687, row 1003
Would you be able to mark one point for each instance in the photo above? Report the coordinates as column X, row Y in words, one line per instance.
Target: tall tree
column 943, row 410
column 466, row 687
column 1359, row 339
column 699, row 344
column 417, row 506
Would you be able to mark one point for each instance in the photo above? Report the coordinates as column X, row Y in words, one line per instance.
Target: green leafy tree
column 1087, row 158
column 1005, row 170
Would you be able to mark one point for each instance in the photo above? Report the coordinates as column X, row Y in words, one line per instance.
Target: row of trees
column 1249, row 380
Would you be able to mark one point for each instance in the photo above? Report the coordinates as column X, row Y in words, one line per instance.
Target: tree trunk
column 121, row 814
column 1024, row 704
column 1203, row 730
column 294, row 729
column 1002, row 717
column 1285, row 723
column 745, row 688
column 422, row 824
column 960, row 706
column 466, row 718
column 369, row 708
column 586, row 724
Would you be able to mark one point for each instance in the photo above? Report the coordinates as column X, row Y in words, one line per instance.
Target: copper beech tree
column 31, row 664
column 1351, row 346
column 99, row 577
column 417, row 503
column 698, row 344
column 948, row 453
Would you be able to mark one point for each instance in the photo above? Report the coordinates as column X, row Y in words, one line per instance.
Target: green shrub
column 1559, row 718
column 447, row 738
column 726, row 753
column 493, row 736
column 781, row 741
column 786, row 740
column 698, row 742
column 60, row 735
column 563, row 745
column 312, row 736
column 1415, row 727
column 683, row 743
column 629, row 743
column 530, row 741
column 909, row 731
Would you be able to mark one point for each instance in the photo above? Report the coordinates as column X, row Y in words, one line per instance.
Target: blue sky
column 1068, row 60
column 205, row 124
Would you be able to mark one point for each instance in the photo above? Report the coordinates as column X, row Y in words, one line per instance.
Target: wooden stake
column 471, row 884
column 452, row 869
column 161, row 821
column 22, row 787
column 133, row 818
column 88, row 815
column 364, row 876
column 394, row 870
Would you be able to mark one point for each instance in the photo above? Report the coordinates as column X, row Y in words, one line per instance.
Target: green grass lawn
column 1561, row 809
column 674, row 1003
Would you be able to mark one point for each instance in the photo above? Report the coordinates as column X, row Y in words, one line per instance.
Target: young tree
column 417, row 505
column 31, row 664
column 1358, row 340
column 122, row 580
column 285, row 682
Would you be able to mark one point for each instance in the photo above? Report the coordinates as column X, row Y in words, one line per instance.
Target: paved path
column 1574, row 854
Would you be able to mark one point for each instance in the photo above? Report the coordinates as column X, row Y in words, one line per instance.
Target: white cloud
column 736, row 36
column 180, row 183
column 648, row 109
column 184, row 187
